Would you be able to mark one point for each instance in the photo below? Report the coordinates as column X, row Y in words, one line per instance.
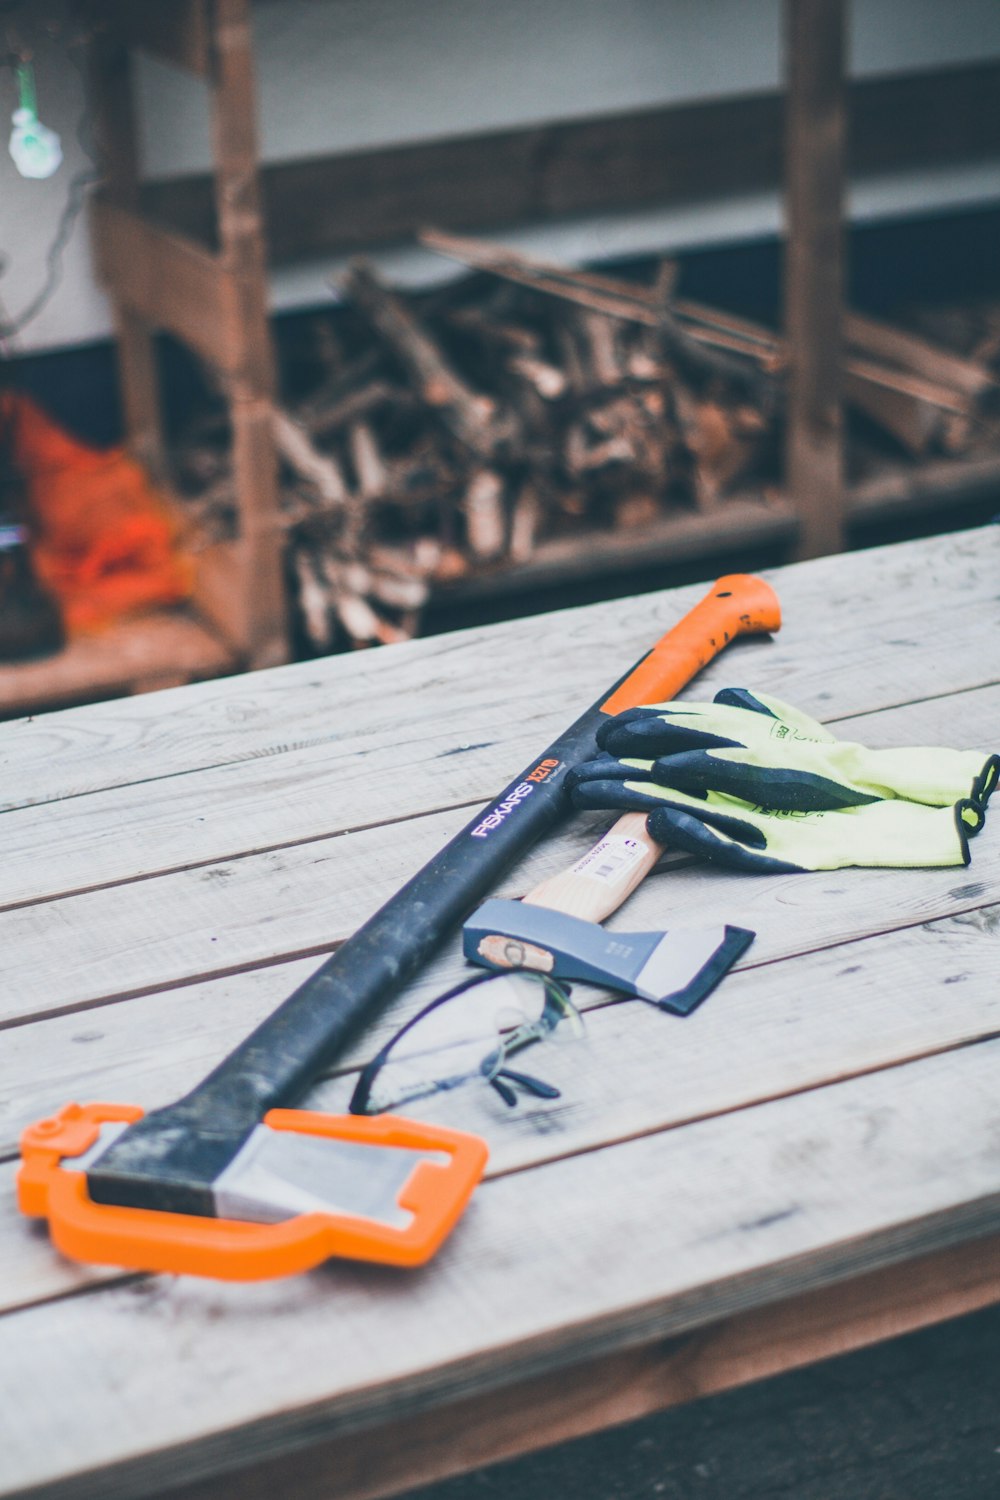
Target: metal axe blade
column 280, row 1173
column 674, row 970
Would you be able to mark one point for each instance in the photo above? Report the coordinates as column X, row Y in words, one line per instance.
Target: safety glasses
column 468, row 1033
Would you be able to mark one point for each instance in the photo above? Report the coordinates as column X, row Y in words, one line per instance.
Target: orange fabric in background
column 103, row 540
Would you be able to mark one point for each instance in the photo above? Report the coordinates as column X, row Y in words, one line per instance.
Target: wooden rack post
column 814, row 170
column 214, row 301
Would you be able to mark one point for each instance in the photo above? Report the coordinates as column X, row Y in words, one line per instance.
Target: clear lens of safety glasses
column 470, row 1032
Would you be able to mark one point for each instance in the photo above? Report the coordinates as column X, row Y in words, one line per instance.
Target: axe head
column 674, row 970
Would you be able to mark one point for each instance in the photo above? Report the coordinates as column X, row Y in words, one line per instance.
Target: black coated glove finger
column 784, row 787
column 727, row 842
column 605, row 768
column 649, row 732
column 614, row 792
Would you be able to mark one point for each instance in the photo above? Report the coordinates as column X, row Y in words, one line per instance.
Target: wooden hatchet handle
column 598, row 883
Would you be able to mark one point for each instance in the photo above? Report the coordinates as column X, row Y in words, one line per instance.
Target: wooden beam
column 110, row 87
column 621, row 1387
column 158, row 649
column 682, row 153
column 237, row 194
column 176, row 30
column 251, row 387
column 742, row 522
column 171, row 282
column 813, row 282
column 943, row 487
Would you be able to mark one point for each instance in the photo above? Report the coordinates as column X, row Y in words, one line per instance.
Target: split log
column 326, row 418
column 301, row 454
column 548, row 380
column 369, row 469
column 914, row 370
column 313, row 600
column 525, row 522
column 605, row 365
column 482, row 506
column 472, row 417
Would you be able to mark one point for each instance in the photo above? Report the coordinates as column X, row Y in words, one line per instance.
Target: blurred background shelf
column 193, row 256
column 165, row 648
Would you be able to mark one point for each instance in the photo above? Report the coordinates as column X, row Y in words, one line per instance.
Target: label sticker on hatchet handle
column 600, row 881
column 611, row 860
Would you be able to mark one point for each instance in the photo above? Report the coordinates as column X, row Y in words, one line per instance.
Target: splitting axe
column 230, row 1181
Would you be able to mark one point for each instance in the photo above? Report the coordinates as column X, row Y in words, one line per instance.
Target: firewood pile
column 428, row 439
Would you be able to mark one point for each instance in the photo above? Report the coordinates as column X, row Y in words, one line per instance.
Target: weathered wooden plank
column 743, row 524
column 400, row 688
column 256, row 614
column 290, row 902
column 111, row 90
column 259, row 605
column 58, row 848
column 926, row 488
column 853, row 640
column 767, row 1031
column 619, row 1388
column 154, row 1047
column 611, row 1250
column 177, row 823
column 304, row 898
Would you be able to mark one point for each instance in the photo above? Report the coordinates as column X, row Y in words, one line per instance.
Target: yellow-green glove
column 769, row 842
column 761, row 750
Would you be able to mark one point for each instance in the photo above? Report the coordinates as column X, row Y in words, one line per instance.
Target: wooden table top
column 810, row 1161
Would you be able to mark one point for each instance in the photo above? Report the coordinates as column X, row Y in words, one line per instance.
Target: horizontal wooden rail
column 681, row 153
column 177, row 32
column 734, row 525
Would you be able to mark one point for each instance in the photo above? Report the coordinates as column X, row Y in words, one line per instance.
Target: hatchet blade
column 674, row 970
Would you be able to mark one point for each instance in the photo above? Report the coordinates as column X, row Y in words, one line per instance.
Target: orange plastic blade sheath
column 232, row 1250
column 738, row 604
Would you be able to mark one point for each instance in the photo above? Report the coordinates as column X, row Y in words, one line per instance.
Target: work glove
column 760, row 749
column 778, row 794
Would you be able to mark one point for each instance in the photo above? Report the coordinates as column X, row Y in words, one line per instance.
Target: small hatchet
column 556, row 929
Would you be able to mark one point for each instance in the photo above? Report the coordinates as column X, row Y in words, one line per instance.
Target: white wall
column 349, row 74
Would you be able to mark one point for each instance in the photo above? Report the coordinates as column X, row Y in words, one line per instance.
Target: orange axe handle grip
column 739, row 604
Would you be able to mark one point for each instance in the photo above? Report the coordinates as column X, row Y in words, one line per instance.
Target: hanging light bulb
column 36, row 150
